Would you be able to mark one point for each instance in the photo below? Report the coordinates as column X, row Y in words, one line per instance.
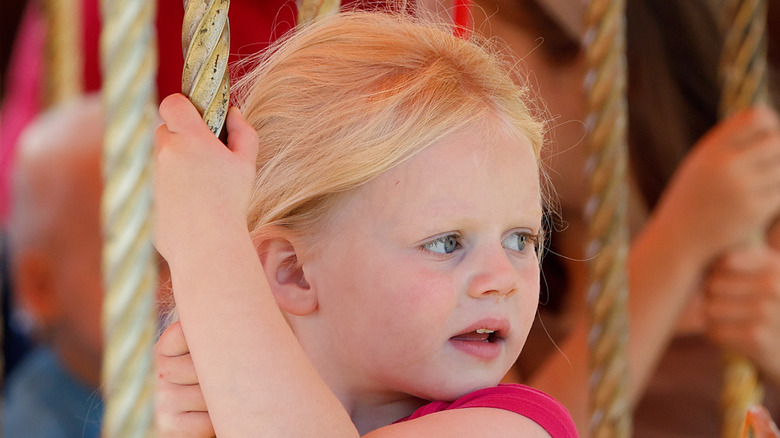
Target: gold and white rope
column 743, row 74
column 63, row 60
column 312, row 10
column 206, row 44
column 606, row 211
column 129, row 59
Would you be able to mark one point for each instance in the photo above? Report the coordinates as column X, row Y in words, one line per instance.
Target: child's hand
column 180, row 409
column 201, row 187
column 728, row 187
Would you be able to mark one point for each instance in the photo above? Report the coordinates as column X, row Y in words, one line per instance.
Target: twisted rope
column 606, row 210
column 206, row 42
column 312, row 10
column 743, row 71
column 743, row 64
column 62, row 59
column 129, row 59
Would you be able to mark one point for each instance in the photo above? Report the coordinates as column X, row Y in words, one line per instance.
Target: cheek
column 407, row 300
column 530, row 276
column 422, row 288
column 408, row 321
column 528, row 295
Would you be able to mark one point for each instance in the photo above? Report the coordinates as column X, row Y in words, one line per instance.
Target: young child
column 390, row 273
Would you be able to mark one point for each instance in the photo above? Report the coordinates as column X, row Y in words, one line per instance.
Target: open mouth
column 479, row 335
column 482, row 343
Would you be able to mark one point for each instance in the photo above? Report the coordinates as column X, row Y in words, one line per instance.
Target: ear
column 34, row 287
column 286, row 276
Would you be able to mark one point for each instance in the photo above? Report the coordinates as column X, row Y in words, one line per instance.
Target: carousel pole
column 606, row 210
column 128, row 49
column 206, row 45
column 743, row 74
column 62, row 51
column 312, row 10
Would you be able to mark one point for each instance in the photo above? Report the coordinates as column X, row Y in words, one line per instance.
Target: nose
column 494, row 275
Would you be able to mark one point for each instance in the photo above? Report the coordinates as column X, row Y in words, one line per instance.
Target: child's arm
column 181, row 410
column 253, row 373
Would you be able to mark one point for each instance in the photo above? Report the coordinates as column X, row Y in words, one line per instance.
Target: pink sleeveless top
column 526, row 401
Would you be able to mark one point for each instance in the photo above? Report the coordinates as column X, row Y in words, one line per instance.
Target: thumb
column 172, row 342
column 242, row 137
column 180, row 115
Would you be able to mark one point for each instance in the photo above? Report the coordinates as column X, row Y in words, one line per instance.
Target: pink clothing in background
column 22, row 99
column 526, row 401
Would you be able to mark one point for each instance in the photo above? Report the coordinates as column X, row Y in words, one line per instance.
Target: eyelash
column 443, row 240
column 533, row 239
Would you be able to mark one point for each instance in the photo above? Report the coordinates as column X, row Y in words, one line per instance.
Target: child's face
column 422, row 257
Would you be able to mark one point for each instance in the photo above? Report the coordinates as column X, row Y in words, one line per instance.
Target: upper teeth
column 485, row 331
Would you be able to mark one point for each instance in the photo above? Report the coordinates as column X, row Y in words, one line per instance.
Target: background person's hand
column 742, row 302
column 728, row 188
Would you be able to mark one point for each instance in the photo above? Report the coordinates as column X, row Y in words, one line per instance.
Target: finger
column 170, row 397
column 763, row 151
column 750, row 124
column 179, row 370
column 765, row 116
column 730, row 287
column 172, row 342
column 741, row 262
column 742, row 337
column 196, row 424
column 729, row 311
column 161, row 137
column 242, row 137
column 185, row 424
column 180, row 115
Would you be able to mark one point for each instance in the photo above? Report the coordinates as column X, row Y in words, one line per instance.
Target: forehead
column 473, row 174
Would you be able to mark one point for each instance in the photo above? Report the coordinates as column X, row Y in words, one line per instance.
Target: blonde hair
column 349, row 97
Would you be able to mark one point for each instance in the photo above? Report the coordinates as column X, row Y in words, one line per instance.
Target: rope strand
column 129, row 60
column 606, row 211
column 743, row 74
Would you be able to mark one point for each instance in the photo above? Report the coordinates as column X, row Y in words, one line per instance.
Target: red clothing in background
column 253, row 24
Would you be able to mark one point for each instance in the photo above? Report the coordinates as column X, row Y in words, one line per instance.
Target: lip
column 499, row 325
column 483, row 350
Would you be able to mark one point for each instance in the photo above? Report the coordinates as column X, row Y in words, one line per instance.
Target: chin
column 453, row 386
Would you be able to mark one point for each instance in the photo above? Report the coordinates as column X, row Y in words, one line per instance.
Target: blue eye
column 443, row 245
column 518, row 241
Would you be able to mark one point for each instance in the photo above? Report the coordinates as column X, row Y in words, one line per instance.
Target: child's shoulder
column 491, row 412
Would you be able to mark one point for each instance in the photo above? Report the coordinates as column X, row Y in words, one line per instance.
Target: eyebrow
column 422, row 224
